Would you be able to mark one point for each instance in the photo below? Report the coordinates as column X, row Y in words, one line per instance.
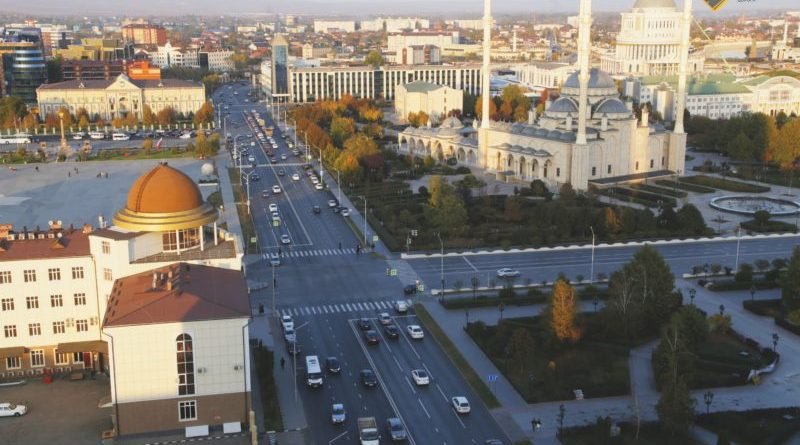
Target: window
column 58, row 327
column 185, row 365
column 637, row 165
column 5, row 276
column 32, row 302
column 54, row 274
column 77, row 357
column 77, row 273
column 188, row 238
column 662, row 161
column 558, row 172
column 107, row 275
column 82, row 325
column 651, row 163
column 61, row 358
column 8, row 304
column 13, row 362
column 106, row 247
column 29, row 275
column 608, row 169
column 37, row 358
column 594, row 171
column 10, row 330
column 80, row 299
column 187, row 410
column 56, row 300
column 34, row 329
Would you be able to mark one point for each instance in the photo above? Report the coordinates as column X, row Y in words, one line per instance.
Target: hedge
column 686, row 186
column 786, row 324
column 765, row 308
column 661, row 190
column 725, row 184
column 769, row 227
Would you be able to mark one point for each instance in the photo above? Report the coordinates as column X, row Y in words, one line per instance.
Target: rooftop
column 419, row 86
column 182, row 293
column 37, row 244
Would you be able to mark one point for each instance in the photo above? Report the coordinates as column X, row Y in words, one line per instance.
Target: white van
column 313, row 371
column 120, row 137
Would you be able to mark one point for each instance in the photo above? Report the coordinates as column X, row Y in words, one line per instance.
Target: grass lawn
column 725, row 360
column 139, row 154
column 555, row 370
column 598, row 434
column 756, row 427
column 248, row 231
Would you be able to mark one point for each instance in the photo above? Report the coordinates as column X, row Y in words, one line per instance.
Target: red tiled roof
column 198, row 293
column 69, row 245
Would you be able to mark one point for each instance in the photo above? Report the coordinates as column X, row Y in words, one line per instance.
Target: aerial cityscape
column 330, row 223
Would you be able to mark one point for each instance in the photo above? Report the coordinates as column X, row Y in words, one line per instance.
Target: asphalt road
column 328, row 286
column 539, row 266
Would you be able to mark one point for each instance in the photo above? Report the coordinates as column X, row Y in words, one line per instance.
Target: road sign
column 421, row 287
column 492, row 377
column 253, row 240
column 375, row 238
column 394, row 272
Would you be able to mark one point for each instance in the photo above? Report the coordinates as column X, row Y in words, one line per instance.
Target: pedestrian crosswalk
column 317, row 252
column 322, row 309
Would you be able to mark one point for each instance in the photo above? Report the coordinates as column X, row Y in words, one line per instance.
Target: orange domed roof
column 164, row 190
column 164, row 199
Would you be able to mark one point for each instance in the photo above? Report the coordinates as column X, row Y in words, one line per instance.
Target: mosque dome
column 451, row 122
column 563, row 105
column 597, row 79
column 612, row 106
column 164, row 199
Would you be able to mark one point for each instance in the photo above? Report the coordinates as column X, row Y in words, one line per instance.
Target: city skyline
column 355, row 8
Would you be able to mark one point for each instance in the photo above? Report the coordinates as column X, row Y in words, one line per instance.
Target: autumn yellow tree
column 148, row 117
column 205, row 114
column 479, row 108
column 563, row 310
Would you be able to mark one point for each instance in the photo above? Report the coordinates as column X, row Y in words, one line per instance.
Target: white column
column 202, row 239
column 487, row 43
column 584, row 17
column 684, row 60
column 216, row 237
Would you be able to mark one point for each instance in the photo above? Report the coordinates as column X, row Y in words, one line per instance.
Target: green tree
column 741, row 147
column 691, row 220
column 692, row 325
column 445, row 209
column 54, row 70
column 341, row 129
column 211, row 82
column 12, row 109
column 374, row 58
column 675, row 407
column 563, row 312
column 520, row 347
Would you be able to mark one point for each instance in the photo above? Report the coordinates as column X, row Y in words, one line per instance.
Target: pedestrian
column 69, row 174
column 340, row 245
column 37, row 168
column 283, row 362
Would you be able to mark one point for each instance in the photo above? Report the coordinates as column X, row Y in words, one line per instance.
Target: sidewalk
column 229, row 213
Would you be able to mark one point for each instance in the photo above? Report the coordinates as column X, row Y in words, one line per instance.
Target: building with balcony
column 144, row 34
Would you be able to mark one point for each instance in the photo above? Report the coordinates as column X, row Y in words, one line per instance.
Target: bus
column 313, row 371
column 15, row 139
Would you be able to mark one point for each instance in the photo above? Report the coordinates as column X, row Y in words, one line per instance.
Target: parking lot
column 63, row 412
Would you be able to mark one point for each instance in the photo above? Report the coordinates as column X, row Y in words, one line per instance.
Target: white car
column 276, row 189
column 295, row 177
column 276, row 216
column 319, row 186
column 12, row 410
column 507, row 272
column 283, row 157
column 385, row 318
column 185, row 136
column 77, row 136
column 289, row 335
column 420, row 377
column 345, row 212
column 331, row 203
column 287, row 322
column 285, row 239
column 338, row 415
column 251, row 158
column 415, row 331
column 273, row 207
column 314, row 180
column 461, row 404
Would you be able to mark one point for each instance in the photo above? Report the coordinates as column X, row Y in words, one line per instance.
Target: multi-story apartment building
column 91, row 69
column 22, row 63
column 97, row 49
column 326, row 26
column 145, row 34
column 398, row 24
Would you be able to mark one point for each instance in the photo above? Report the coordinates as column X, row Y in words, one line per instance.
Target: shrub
column 507, row 292
column 745, row 274
column 462, row 170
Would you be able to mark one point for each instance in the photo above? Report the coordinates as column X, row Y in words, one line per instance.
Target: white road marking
column 442, row 393
column 470, row 264
column 423, row 408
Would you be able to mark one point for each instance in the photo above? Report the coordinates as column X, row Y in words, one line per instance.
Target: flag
column 158, row 144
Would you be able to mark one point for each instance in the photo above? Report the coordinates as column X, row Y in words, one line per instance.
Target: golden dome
column 164, row 199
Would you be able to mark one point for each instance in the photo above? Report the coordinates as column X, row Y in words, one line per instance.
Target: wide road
column 538, row 266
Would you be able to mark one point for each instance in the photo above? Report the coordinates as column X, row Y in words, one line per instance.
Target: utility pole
column 591, row 269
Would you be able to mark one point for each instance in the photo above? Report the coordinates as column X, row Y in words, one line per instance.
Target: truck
column 368, row 431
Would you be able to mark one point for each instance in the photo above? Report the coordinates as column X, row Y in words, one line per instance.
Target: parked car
column 12, row 410
column 287, row 322
column 289, row 335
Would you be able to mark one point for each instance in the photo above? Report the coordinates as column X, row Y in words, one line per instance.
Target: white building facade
column 326, row 26
column 541, row 75
column 434, row 100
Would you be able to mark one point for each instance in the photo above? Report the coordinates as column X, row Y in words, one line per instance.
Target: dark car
column 332, row 365
column 372, row 337
column 293, row 347
column 410, row 289
column 364, row 324
column 368, row 378
column 255, row 178
column 316, row 209
column 391, row 331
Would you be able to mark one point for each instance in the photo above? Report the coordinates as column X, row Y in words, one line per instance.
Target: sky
column 353, row 8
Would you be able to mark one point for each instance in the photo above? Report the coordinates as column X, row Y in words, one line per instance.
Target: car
column 391, row 331
column 316, row 210
column 493, row 442
column 255, row 178
column 274, row 259
column 396, row 429
column 420, row 377
column 273, row 160
column 372, row 337
column 285, row 239
column 251, row 158
column 295, row 177
column 289, row 335
column 273, row 207
column 319, row 186
column 507, row 273
column 287, row 322
column 283, row 156
column 281, row 172
column 332, row 365
column 368, row 378
column 185, row 136
column 265, row 194
column 332, row 203
column 276, row 216
column 345, row 212
column 364, row 324
column 293, row 348
column 276, row 189
column 309, row 172
column 415, row 331
column 314, row 180
column 460, row 404
column 385, row 318
column 410, row 289
column 12, row 410
column 337, row 414
column 77, row 136
column 401, row 306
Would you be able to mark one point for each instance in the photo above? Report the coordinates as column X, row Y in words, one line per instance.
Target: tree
column 741, row 147
column 239, row 61
column 479, row 108
column 148, row 117
column 374, row 58
column 166, row 116
column 54, row 71
column 445, row 208
column 675, row 407
column 418, row 119
column 205, row 114
column 341, row 129
column 790, row 283
column 720, row 323
column 691, row 220
column 563, row 312
column 211, row 82
column 761, row 217
column 147, row 145
column 566, row 192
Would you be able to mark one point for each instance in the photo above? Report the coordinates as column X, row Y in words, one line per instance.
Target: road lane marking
column 410, row 385
column 470, row 264
column 458, row 416
column 398, row 363
column 442, row 393
column 422, row 405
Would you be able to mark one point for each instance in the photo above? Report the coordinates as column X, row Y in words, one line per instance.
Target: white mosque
column 586, row 135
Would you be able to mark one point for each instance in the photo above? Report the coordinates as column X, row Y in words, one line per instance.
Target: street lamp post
column 721, row 309
column 274, row 282
column 738, row 241
column 708, row 397
column 466, row 313
column 441, row 257
column 364, row 197
column 247, row 184
column 591, row 269
column 775, row 339
column 692, row 293
column 338, row 185
column 753, row 292
column 501, row 308
column 294, row 357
